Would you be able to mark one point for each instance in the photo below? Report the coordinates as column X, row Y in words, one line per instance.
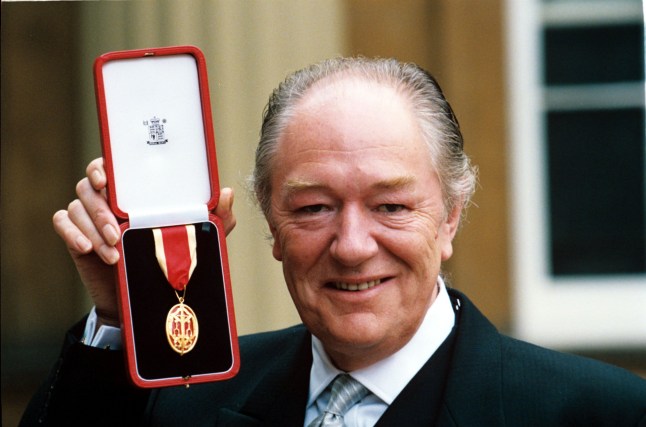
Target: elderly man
column 361, row 174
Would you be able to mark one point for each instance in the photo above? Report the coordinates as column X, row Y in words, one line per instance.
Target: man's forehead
column 347, row 85
column 351, row 108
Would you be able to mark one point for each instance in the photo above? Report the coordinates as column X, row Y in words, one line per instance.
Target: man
column 361, row 174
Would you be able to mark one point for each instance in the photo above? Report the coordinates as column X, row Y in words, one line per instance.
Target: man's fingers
column 94, row 219
column 224, row 210
column 81, row 220
column 71, row 235
column 96, row 174
column 98, row 210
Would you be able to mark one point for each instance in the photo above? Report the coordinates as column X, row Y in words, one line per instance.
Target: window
column 578, row 171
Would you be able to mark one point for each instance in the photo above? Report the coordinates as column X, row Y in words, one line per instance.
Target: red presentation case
column 159, row 153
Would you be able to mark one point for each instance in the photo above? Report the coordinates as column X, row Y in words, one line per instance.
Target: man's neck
column 348, row 359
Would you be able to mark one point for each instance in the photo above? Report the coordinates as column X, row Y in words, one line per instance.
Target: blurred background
column 550, row 97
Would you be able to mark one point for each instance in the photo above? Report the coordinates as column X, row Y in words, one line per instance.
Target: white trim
column 581, row 312
column 591, row 12
column 598, row 96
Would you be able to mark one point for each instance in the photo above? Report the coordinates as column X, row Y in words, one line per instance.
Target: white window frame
column 573, row 312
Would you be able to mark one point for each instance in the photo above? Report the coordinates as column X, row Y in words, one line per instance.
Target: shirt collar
column 388, row 377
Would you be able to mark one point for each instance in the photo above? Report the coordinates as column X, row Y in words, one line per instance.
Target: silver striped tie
column 346, row 391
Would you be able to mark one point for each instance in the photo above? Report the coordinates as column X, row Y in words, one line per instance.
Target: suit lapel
column 473, row 394
column 469, row 392
column 419, row 402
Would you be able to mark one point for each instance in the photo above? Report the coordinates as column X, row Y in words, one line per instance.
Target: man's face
column 358, row 220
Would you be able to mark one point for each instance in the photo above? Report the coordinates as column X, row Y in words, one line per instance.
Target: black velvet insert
column 151, row 297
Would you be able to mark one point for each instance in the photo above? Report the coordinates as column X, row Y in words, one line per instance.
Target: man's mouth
column 357, row 286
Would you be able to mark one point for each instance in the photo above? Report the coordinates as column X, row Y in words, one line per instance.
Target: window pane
column 594, row 54
column 596, row 191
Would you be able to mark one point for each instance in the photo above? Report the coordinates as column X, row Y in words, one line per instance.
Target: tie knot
column 346, row 391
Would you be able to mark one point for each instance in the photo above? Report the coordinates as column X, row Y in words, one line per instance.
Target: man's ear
column 276, row 250
column 448, row 230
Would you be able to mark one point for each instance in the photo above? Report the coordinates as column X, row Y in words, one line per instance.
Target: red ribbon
column 175, row 252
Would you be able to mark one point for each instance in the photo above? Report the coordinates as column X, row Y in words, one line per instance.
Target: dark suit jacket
column 491, row 380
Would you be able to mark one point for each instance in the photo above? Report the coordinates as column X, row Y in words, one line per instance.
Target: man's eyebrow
column 296, row 185
column 395, row 183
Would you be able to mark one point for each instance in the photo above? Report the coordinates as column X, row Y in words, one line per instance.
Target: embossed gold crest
column 182, row 329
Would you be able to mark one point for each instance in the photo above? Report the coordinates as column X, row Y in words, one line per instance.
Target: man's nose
column 354, row 241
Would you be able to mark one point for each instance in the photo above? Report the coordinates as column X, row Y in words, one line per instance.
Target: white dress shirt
column 388, row 377
column 107, row 337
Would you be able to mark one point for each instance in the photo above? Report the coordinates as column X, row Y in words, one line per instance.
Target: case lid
column 157, row 137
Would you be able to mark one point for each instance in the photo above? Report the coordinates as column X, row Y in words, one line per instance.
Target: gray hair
column 438, row 123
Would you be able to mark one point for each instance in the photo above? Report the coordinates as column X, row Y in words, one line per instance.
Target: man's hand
column 90, row 230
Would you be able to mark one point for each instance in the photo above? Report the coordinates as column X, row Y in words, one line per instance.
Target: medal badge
column 175, row 249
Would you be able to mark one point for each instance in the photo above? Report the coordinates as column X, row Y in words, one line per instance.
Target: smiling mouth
column 356, row 286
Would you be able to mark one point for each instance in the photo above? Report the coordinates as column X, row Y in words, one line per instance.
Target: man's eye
column 390, row 208
column 312, row 209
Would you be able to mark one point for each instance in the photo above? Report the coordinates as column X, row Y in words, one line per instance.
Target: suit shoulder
column 540, row 358
column 561, row 380
column 534, row 385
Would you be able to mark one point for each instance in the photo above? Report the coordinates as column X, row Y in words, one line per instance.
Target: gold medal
column 182, row 328
column 175, row 249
